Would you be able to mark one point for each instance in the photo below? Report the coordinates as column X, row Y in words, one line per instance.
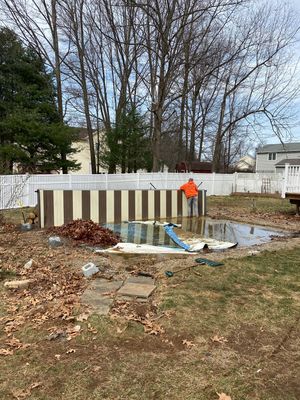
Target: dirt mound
column 87, row 232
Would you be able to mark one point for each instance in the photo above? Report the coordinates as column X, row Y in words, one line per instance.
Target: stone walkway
column 101, row 294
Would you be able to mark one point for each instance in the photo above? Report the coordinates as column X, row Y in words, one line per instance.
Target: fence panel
column 20, row 190
column 292, row 179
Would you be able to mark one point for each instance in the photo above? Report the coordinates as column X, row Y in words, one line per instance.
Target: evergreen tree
column 31, row 134
column 127, row 144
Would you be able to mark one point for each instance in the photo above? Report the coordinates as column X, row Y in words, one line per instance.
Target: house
column 280, row 166
column 83, row 151
column 245, row 164
column 194, row 166
column 271, row 154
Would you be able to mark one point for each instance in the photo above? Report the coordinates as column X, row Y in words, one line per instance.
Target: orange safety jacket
column 190, row 189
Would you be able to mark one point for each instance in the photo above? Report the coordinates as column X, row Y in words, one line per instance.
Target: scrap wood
column 86, row 232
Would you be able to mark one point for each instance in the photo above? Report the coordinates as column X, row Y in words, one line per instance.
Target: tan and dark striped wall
column 58, row 207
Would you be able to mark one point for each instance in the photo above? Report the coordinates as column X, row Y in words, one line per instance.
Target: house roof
column 291, row 161
column 279, row 148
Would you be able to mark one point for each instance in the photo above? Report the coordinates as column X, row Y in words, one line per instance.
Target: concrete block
column 89, row 269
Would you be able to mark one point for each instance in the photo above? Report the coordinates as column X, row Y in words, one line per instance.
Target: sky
column 295, row 130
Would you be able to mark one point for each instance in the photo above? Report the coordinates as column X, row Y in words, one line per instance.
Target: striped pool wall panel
column 58, row 207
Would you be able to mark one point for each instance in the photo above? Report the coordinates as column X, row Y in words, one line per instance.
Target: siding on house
column 281, row 151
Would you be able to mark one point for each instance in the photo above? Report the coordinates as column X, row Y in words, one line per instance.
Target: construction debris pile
column 87, row 232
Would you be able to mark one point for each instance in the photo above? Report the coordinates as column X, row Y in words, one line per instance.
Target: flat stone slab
column 103, row 285
column 94, row 296
column 136, row 299
column 146, row 280
column 136, row 290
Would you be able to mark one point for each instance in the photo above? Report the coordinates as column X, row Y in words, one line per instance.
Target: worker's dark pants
column 192, row 206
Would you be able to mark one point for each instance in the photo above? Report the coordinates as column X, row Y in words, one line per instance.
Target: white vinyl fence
column 20, row 190
column 291, row 179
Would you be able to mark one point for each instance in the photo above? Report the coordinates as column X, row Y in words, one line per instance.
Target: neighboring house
column 83, row 152
column 280, row 166
column 245, row 164
column 271, row 154
column 194, row 166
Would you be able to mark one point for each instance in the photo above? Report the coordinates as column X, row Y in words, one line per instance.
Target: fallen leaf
column 35, row 385
column 20, row 394
column 6, row 352
column 188, row 343
column 223, row 396
column 82, row 317
column 218, row 339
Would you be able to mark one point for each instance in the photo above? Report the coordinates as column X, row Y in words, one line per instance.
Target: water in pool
column 228, row 231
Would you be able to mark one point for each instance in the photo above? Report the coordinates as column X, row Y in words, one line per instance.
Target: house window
column 272, row 156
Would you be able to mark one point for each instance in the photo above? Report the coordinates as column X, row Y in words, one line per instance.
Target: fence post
column 235, row 179
column 166, row 180
column 213, row 184
column 285, row 180
column 70, row 182
column 138, row 181
column 27, row 190
column 106, row 181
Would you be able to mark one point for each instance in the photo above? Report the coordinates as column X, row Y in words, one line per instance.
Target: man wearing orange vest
column 191, row 192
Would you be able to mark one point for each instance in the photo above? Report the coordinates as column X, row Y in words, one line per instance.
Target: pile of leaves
column 52, row 296
column 87, row 232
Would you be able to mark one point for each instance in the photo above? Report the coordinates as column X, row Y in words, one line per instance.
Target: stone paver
column 95, row 298
column 103, row 285
column 136, row 290
column 146, row 280
column 98, row 297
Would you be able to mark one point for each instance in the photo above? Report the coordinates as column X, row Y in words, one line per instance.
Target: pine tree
column 127, row 144
column 32, row 138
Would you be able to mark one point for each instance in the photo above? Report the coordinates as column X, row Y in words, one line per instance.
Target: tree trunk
column 216, row 166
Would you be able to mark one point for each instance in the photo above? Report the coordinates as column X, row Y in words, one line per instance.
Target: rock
column 18, row 284
column 89, row 269
column 253, row 252
column 26, row 227
column 55, row 241
column 29, row 264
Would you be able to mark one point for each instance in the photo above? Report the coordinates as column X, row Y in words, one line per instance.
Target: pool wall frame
column 58, row 207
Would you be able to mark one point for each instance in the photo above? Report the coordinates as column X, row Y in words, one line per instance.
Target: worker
column 191, row 193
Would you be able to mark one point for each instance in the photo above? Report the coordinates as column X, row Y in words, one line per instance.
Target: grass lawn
column 252, row 203
column 231, row 329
